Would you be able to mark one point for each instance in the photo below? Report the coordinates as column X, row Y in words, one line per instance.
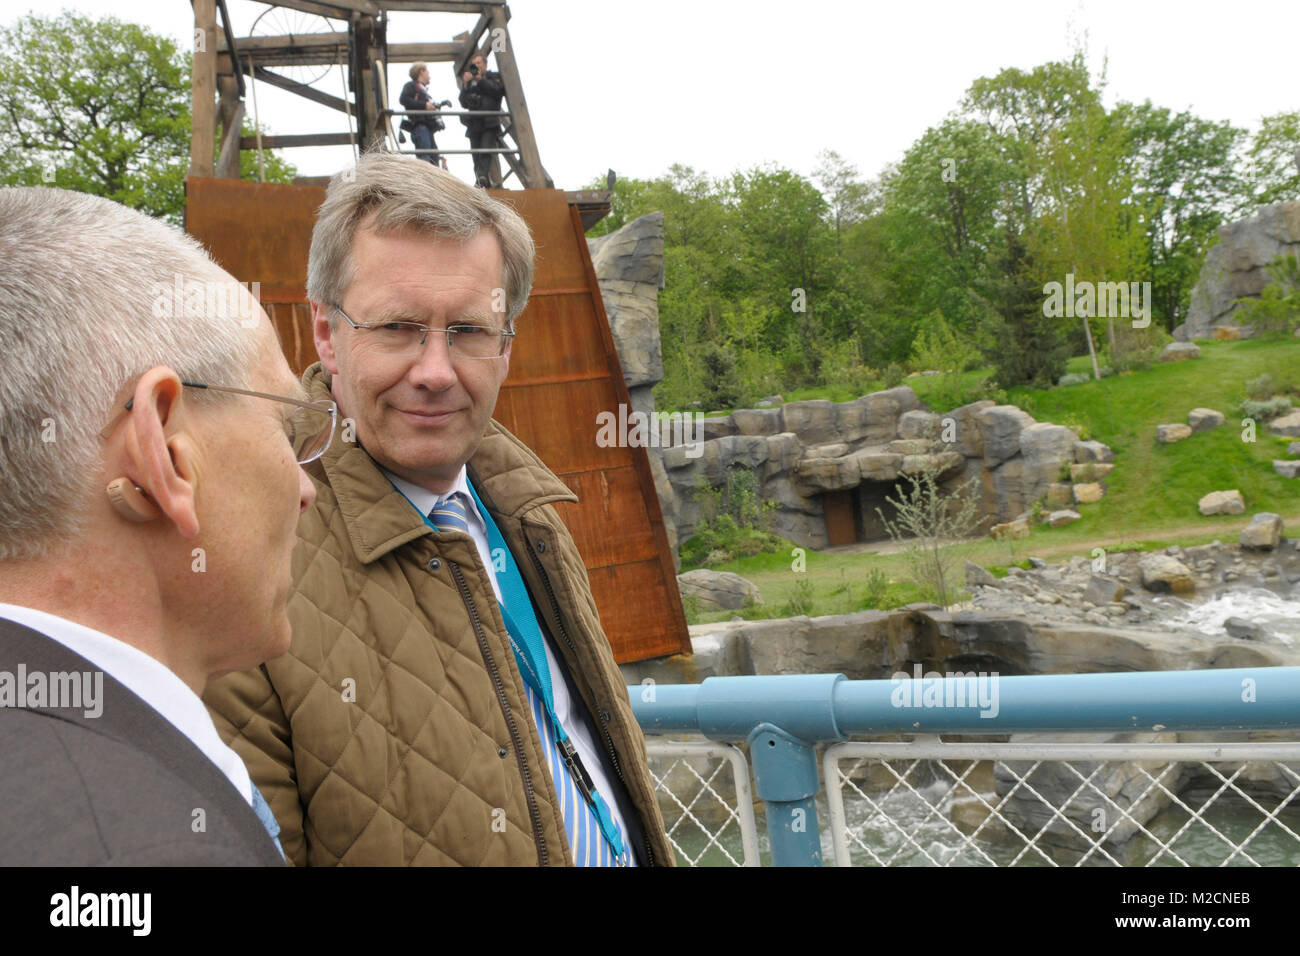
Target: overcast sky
column 722, row 86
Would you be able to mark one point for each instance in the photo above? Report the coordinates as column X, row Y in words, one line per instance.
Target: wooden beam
column 305, row 41
column 228, row 161
column 335, row 9
column 431, row 52
column 293, row 86
column 230, row 42
column 203, row 88
column 533, row 175
column 469, row 45
column 436, row 6
column 291, row 140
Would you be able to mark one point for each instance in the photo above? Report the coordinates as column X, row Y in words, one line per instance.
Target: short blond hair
column 418, row 69
column 402, row 192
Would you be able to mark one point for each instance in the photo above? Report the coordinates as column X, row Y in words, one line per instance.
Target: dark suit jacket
column 119, row 789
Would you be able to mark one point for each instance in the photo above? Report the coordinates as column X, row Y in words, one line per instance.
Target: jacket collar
column 508, row 476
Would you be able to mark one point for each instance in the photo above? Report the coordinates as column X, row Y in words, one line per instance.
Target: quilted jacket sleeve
column 251, row 719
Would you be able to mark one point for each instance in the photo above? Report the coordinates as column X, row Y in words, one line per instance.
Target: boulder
column 1061, row 518
column 1222, row 503
column 1293, row 448
column 1059, row 495
column 836, row 450
column 1180, row 351
column 1163, row 574
column 1089, row 493
column 757, row 421
column 1092, row 451
column 1237, row 266
column 1168, row 434
column 1264, row 533
column 718, row 427
column 874, row 466
column 1019, row 528
column 1204, row 419
column 1103, row 590
column 1001, row 426
column 1090, row 472
column 918, row 424
column 813, row 421
column 1244, row 630
column 1288, row 426
column 1227, row 333
column 629, row 266
column 911, row 446
column 978, row 577
column 1287, row 468
column 718, row 590
column 769, row 401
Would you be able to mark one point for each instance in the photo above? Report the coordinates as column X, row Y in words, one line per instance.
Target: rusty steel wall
column 563, row 371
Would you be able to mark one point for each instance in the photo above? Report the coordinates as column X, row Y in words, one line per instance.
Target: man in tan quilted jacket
column 401, row 727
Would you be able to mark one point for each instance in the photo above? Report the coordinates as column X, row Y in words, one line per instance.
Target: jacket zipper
column 535, row 816
column 609, row 741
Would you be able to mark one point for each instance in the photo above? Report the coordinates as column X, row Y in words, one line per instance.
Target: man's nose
column 432, row 366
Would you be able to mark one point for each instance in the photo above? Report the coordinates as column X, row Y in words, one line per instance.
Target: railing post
column 785, row 777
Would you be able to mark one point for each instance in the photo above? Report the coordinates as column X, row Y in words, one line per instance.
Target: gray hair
column 92, row 295
column 402, row 192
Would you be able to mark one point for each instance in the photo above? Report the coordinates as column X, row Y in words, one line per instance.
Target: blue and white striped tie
column 586, row 842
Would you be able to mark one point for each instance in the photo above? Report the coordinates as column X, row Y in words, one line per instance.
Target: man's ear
column 163, row 467
column 324, row 336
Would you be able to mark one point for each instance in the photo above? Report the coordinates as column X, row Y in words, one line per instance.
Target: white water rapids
column 1279, row 616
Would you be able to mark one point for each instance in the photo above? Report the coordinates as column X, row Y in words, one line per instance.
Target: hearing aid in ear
column 129, row 501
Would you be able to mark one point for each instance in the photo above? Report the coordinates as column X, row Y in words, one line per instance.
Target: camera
column 473, row 69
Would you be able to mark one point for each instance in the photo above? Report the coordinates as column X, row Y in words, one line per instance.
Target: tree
column 1182, row 172
column 1271, row 160
column 1025, row 346
column 98, row 106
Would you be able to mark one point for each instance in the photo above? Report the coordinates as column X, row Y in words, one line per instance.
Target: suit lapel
column 128, row 719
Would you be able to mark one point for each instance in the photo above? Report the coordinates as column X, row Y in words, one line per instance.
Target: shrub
column 801, row 599
column 894, row 375
column 874, row 590
column 928, row 520
column 1264, row 411
column 1261, row 388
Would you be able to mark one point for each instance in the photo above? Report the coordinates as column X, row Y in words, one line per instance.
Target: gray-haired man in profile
column 150, row 485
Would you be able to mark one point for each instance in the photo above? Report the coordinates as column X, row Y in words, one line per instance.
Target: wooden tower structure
column 564, row 369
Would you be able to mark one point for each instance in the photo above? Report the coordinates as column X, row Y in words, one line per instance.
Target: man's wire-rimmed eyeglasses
column 464, row 339
column 310, row 427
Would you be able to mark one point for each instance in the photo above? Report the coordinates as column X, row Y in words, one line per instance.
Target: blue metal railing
column 784, row 717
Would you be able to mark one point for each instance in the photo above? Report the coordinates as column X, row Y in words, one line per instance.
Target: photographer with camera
column 415, row 96
column 482, row 90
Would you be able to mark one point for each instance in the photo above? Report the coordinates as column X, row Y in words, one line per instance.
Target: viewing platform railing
column 1157, row 798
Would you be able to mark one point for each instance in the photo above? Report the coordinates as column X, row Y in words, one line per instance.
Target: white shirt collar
column 147, row 678
column 424, row 499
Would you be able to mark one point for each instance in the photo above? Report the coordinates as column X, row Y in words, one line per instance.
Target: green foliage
column 800, row 600
column 875, row 589
column 939, row 348
column 1277, row 310
column 1074, row 378
column 1261, row 388
column 734, row 523
column 101, row 107
column 1266, row 410
column 894, row 375
column 928, row 520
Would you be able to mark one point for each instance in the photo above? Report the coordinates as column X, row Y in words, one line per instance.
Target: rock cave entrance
column 851, row 514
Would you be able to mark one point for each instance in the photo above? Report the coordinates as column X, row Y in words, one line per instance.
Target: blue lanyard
column 530, row 654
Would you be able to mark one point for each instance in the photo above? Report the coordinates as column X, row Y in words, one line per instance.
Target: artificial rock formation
column 1238, row 267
